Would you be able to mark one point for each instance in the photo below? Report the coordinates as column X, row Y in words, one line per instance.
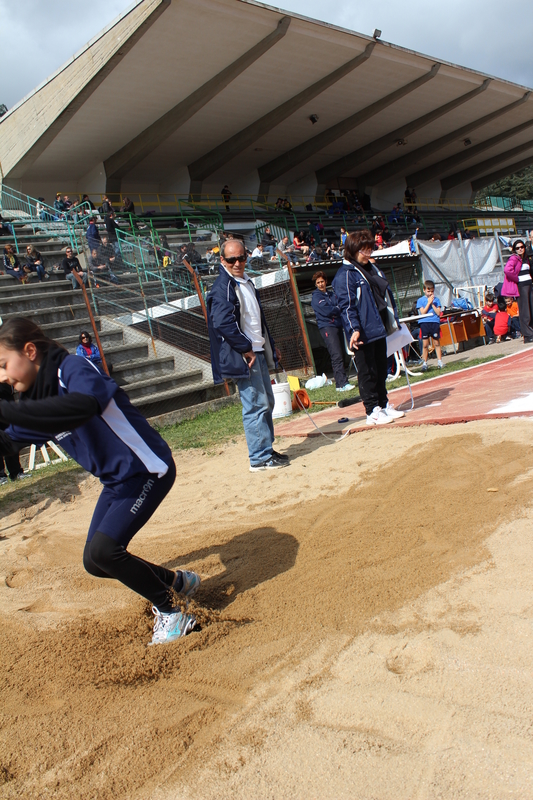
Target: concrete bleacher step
column 142, row 369
column 42, row 316
column 14, row 288
column 23, row 302
column 69, row 329
column 161, row 384
column 179, row 397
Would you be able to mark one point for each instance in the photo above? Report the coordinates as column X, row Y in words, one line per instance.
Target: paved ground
column 499, row 389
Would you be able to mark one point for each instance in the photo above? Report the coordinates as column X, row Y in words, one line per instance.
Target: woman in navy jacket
column 328, row 319
column 368, row 314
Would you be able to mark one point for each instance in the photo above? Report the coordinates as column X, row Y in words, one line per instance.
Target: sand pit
column 366, row 629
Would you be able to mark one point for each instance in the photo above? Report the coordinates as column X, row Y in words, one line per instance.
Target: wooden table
column 460, row 327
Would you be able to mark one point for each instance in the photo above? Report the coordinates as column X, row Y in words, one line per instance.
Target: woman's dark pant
column 333, row 340
column 120, row 512
column 371, row 363
column 525, row 309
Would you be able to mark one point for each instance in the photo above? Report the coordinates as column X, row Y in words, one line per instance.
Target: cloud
column 46, row 34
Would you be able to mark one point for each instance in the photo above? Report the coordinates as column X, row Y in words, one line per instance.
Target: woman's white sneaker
column 378, row 417
column 392, row 412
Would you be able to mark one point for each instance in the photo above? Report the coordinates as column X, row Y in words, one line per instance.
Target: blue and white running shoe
column 168, row 627
column 191, row 583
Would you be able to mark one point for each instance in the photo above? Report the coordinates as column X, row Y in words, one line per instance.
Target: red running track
column 497, row 390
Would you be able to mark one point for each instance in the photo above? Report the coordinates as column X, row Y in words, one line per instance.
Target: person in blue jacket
column 66, row 398
column 243, row 350
column 328, row 319
column 368, row 314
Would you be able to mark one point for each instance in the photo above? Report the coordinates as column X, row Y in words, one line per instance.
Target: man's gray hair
column 230, row 241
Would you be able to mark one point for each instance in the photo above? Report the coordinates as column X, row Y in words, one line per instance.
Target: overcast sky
column 488, row 35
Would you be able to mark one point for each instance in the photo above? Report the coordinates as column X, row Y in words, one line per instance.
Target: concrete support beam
column 492, row 177
column 125, row 159
column 297, row 155
column 484, row 166
column 199, row 170
column 121, row 48
column 400, row 165
column 436, row 170
column 343, row 165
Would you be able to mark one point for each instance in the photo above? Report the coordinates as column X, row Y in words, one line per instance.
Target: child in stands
column 502, row 321
column 488, row 314
column 67, row 398
column 430, row 327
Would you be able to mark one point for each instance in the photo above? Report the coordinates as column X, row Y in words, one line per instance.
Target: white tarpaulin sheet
column 449, row 262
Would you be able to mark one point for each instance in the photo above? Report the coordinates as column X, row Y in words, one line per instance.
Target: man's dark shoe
column 280, row 456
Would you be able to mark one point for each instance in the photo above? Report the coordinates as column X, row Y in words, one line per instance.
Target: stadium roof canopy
column 187, row 95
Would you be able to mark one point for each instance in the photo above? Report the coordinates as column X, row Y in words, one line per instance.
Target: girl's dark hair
column 17, row 332
column 502, row 305
column 88, row 335
column 318, row 275
column 360, row 240
column 518, row 241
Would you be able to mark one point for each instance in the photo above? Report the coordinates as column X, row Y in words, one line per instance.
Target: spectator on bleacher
column 287, row 251
column 378, row 241
column 451, row 235
column 86, row 349
column 502, row 321
column 106, row 207
column 299, row 243
column 89, row 204
column 67, row 202
column 70, row 265
column 128, row 206
column 40, row 210
column 512, row 310
column 386, row 235
column 287, row 205
column 316, row 254
column 226, row 195
column 34, row 263
column 268, row 241
column 59, row 206
column 332, row 253
column 193, row 256
column 518, row 283
column 182, row 253
column 5, row 228
column 488, row 315
column 111, row 228
column 12, row 264
column 278, row 205
column 92, row 234
column 107, row 253
column 328, row 320
column 343, row 236
column 255, row 261
column 436, row 238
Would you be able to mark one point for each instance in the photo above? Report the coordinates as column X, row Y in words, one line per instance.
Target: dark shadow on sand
column 250, row 558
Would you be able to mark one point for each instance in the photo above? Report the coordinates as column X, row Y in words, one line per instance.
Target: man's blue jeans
column 257, row 400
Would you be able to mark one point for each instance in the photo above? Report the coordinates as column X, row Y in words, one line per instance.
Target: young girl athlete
column 66, row 398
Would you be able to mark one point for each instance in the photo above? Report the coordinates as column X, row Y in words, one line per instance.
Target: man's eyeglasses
column 233, row 259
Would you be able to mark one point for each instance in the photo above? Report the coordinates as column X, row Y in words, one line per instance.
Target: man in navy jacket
column 242, row 349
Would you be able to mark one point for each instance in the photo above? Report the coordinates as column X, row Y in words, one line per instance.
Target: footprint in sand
column 18, row 579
